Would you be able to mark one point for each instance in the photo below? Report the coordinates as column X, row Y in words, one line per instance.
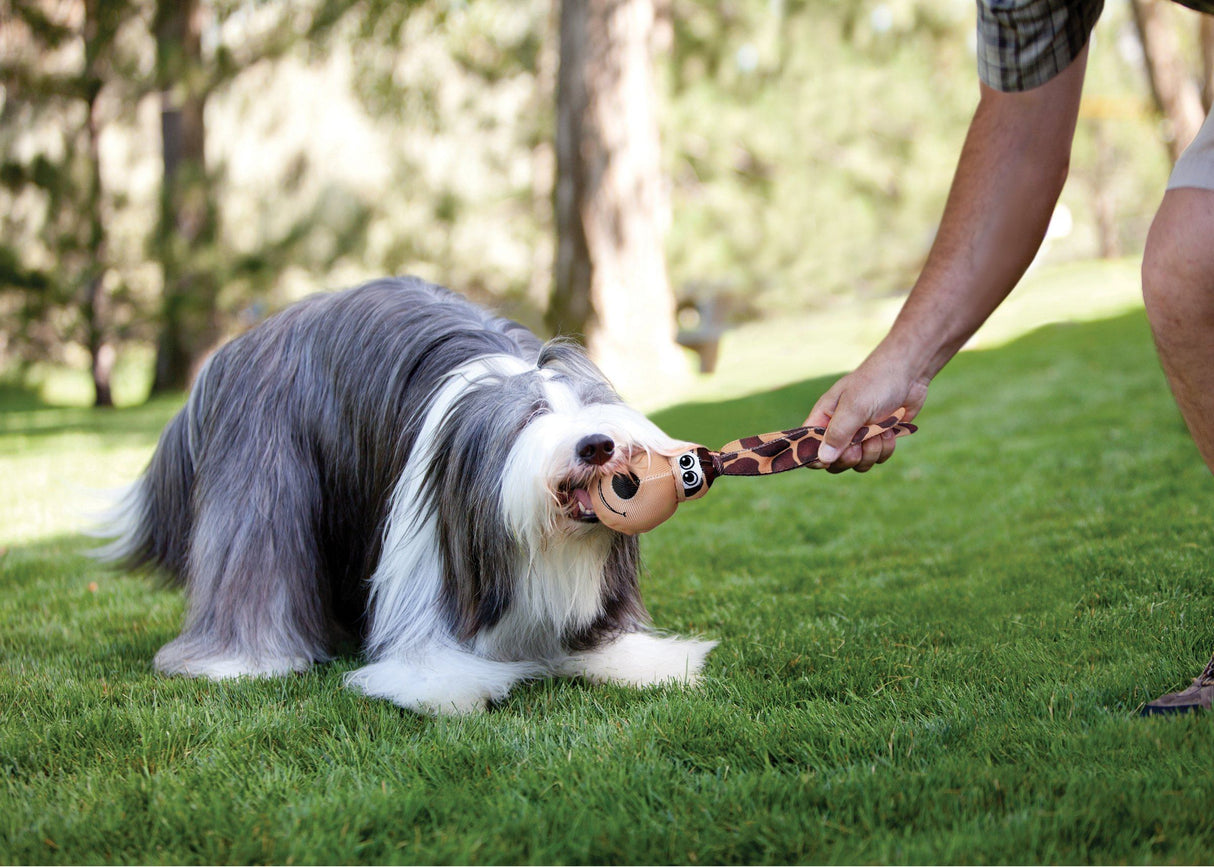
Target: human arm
column 1008, row 179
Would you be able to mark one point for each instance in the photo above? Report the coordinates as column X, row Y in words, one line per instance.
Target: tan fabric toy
column 655, row 484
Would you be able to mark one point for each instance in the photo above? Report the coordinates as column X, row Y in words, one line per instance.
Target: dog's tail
column 149, row 523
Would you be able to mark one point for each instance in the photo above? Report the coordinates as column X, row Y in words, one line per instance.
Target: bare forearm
column 1008, row 180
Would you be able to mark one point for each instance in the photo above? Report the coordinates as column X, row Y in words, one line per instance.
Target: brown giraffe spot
column 770, row 450
column 743, row 466
column 807, row 450
column 785, row 461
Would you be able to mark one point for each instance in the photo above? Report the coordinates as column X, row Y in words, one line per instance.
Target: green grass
column 939, row 661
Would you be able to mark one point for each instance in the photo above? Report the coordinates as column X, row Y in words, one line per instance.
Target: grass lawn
column 939, row 661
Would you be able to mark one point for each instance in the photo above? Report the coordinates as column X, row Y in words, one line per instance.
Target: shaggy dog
column 395, row 464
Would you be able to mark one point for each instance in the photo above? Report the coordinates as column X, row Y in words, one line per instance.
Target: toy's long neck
column 764, row 454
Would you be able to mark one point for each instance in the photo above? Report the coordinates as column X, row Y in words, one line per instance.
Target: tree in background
column 188, row 225
column 1176, row 89
column 197, row 262
column 610, row 282
column 62, row 285
column 101, row 21
column 810, row 144
column 459, row 105
column 806, row 152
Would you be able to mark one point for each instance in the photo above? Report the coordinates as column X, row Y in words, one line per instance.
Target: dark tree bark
column 188, row 225
column 95, row 307
column 611, row 285
column 97, row 37
column 1176, row 93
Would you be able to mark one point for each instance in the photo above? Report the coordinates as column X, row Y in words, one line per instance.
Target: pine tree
column 56, row 274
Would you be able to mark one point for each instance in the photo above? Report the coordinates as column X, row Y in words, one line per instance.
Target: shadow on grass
column 63, row 608
column 23, row 414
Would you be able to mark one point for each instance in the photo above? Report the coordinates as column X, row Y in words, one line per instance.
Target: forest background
column 173, row 171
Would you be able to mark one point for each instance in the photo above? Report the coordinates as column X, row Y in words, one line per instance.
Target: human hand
column 869, row 394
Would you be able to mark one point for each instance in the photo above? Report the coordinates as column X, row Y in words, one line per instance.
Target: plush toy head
column 654, row 484
column 652, row 488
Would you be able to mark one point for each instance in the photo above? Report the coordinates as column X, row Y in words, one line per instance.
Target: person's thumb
column 844, row 423
column 820, row 415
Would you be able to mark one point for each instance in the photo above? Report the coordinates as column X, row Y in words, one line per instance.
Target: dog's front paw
column 414, row 688
column 642, row 659
column 450, row 683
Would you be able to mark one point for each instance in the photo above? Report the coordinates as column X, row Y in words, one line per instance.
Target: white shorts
column 1195, row 168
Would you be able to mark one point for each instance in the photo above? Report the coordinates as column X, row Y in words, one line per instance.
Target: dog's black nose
column 595, row 449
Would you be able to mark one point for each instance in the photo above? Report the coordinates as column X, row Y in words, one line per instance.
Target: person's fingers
column 846, row 460
column 859, row 399
column 889, row 442
column 870, row 454
column 844, row 422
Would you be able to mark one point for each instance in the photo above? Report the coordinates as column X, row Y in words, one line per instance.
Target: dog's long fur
column 392, row 463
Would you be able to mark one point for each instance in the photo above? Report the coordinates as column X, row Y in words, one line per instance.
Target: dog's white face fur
column 485, row 565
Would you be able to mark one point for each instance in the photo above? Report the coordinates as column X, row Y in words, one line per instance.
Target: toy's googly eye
column 692, row 475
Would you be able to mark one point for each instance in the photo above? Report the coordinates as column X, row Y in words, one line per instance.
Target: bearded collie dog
column 396, row 465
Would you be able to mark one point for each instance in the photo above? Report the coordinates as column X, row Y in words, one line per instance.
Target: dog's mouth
column 574, row 500
column 575, row 494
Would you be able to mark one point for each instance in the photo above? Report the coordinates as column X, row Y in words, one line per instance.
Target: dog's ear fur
column 464, row 489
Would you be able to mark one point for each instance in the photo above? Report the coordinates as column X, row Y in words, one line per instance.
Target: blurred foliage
column 54, row 63
column 812, row 144
column 809, row 147
column 812, row 147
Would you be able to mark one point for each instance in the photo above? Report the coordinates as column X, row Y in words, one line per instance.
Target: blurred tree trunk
column 188, row 225
column 610, row 273
column 543, row 158
column 1176, row 93
column 97, row 37
column 101, row 351
column 1104, row 201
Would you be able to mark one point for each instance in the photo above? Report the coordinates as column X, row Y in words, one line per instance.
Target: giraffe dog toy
column 653, row 486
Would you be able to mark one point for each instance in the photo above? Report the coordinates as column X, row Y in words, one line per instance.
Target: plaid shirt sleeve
column 1022, row 44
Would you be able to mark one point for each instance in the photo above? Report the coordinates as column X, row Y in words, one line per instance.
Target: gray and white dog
column 396, row 464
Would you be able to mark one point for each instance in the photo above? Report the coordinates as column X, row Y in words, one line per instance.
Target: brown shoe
column 1197, row 697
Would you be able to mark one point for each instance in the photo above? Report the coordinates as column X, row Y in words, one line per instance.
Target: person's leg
column 1178, row 288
